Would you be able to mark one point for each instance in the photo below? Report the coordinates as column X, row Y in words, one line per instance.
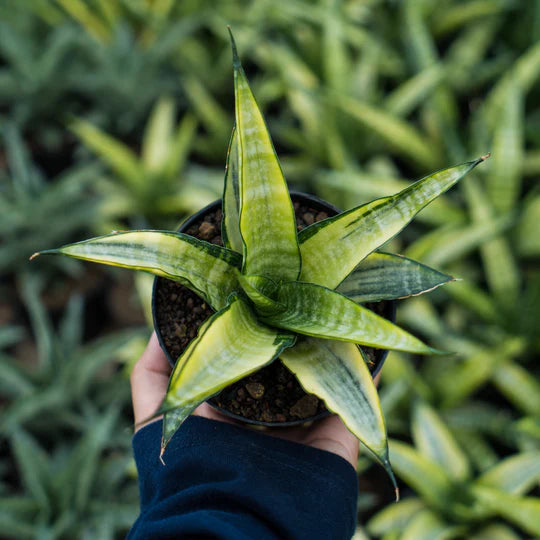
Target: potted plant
column 277, row 292
column 271, row 396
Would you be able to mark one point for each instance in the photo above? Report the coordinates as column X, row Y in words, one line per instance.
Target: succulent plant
column 453, row 501
column 61, row 427
column 28, row 197
column 160, row 182
column 280, row 293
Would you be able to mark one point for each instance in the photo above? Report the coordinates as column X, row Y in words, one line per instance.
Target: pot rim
column 318, row 203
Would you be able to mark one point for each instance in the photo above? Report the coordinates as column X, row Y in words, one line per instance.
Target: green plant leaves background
column 360, row 99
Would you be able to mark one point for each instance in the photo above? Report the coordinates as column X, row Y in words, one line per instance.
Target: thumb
column 149, row 381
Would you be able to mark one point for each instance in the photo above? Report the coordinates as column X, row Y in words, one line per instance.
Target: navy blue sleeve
column 221, row 481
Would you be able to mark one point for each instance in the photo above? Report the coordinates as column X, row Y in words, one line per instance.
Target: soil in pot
column 272, row 395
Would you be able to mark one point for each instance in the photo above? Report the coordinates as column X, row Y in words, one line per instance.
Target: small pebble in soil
column 207, row 231
column 180, row 330
column 305, row 407
column 309, row 218
column 255, row 390
column 267, row 416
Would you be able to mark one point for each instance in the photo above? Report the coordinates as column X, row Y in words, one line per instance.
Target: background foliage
column 117, row 114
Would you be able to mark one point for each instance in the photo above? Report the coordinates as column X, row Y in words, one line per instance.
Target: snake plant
column 280, row 293
column 160, row 182
column 453, row 500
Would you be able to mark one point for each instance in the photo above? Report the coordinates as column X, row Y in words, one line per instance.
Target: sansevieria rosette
column 277, row 292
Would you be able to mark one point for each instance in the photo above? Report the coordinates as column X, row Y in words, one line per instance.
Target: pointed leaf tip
column 483, row 158
column 439, row 352
column 236, row 59
column 44, row 252
column 390, row 473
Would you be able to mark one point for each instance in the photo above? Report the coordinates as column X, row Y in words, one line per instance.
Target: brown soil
column 270, row 395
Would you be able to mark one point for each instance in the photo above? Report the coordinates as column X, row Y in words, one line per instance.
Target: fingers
column 149, row 381
column 330, row 434
column 207, row 411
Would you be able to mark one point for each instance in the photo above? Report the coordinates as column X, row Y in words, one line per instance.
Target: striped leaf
column 158, row 135
column 179, row 147
column 516, row 474
column 448, row 244
column 495, row 531
column 33, row 467
column 337, row 373
column 398, row 134
column 230, row 230
column 521, row 511
column 405, row 98
column 427, row 525
column 435, row 441
column 117, row 155
column 394, row 517
column 462, row 378
column 317, row 311
column 208, row 270
column 230, row 345
column 267, row 221
column 519, row 386
column 383, row 276
column 350, row 188
column 343, row 241
column 504, row 178
column 528, row 231
column 423, row 475
column 502, row 272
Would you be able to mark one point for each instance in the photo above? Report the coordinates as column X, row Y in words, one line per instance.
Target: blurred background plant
column 116, row 114
column 146, row 191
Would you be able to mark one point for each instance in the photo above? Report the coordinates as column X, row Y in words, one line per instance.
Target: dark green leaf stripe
column 332, row 248
column 317, row 311
column 207, row 269
column 230, row 345
column 267, row 221
column 384, row 276
column 231, row 199
column 337, row 373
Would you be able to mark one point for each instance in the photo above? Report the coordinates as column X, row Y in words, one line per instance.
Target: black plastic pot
column 388, row 311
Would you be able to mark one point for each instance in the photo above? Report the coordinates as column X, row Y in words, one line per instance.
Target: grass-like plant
column 453, row 501
column 28, row 198
column 160, row 182
column 61, row 427
column 277, row 292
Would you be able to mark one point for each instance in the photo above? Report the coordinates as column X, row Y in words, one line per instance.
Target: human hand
column 149, row 381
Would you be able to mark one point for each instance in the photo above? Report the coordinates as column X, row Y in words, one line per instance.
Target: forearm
column 222, row 481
